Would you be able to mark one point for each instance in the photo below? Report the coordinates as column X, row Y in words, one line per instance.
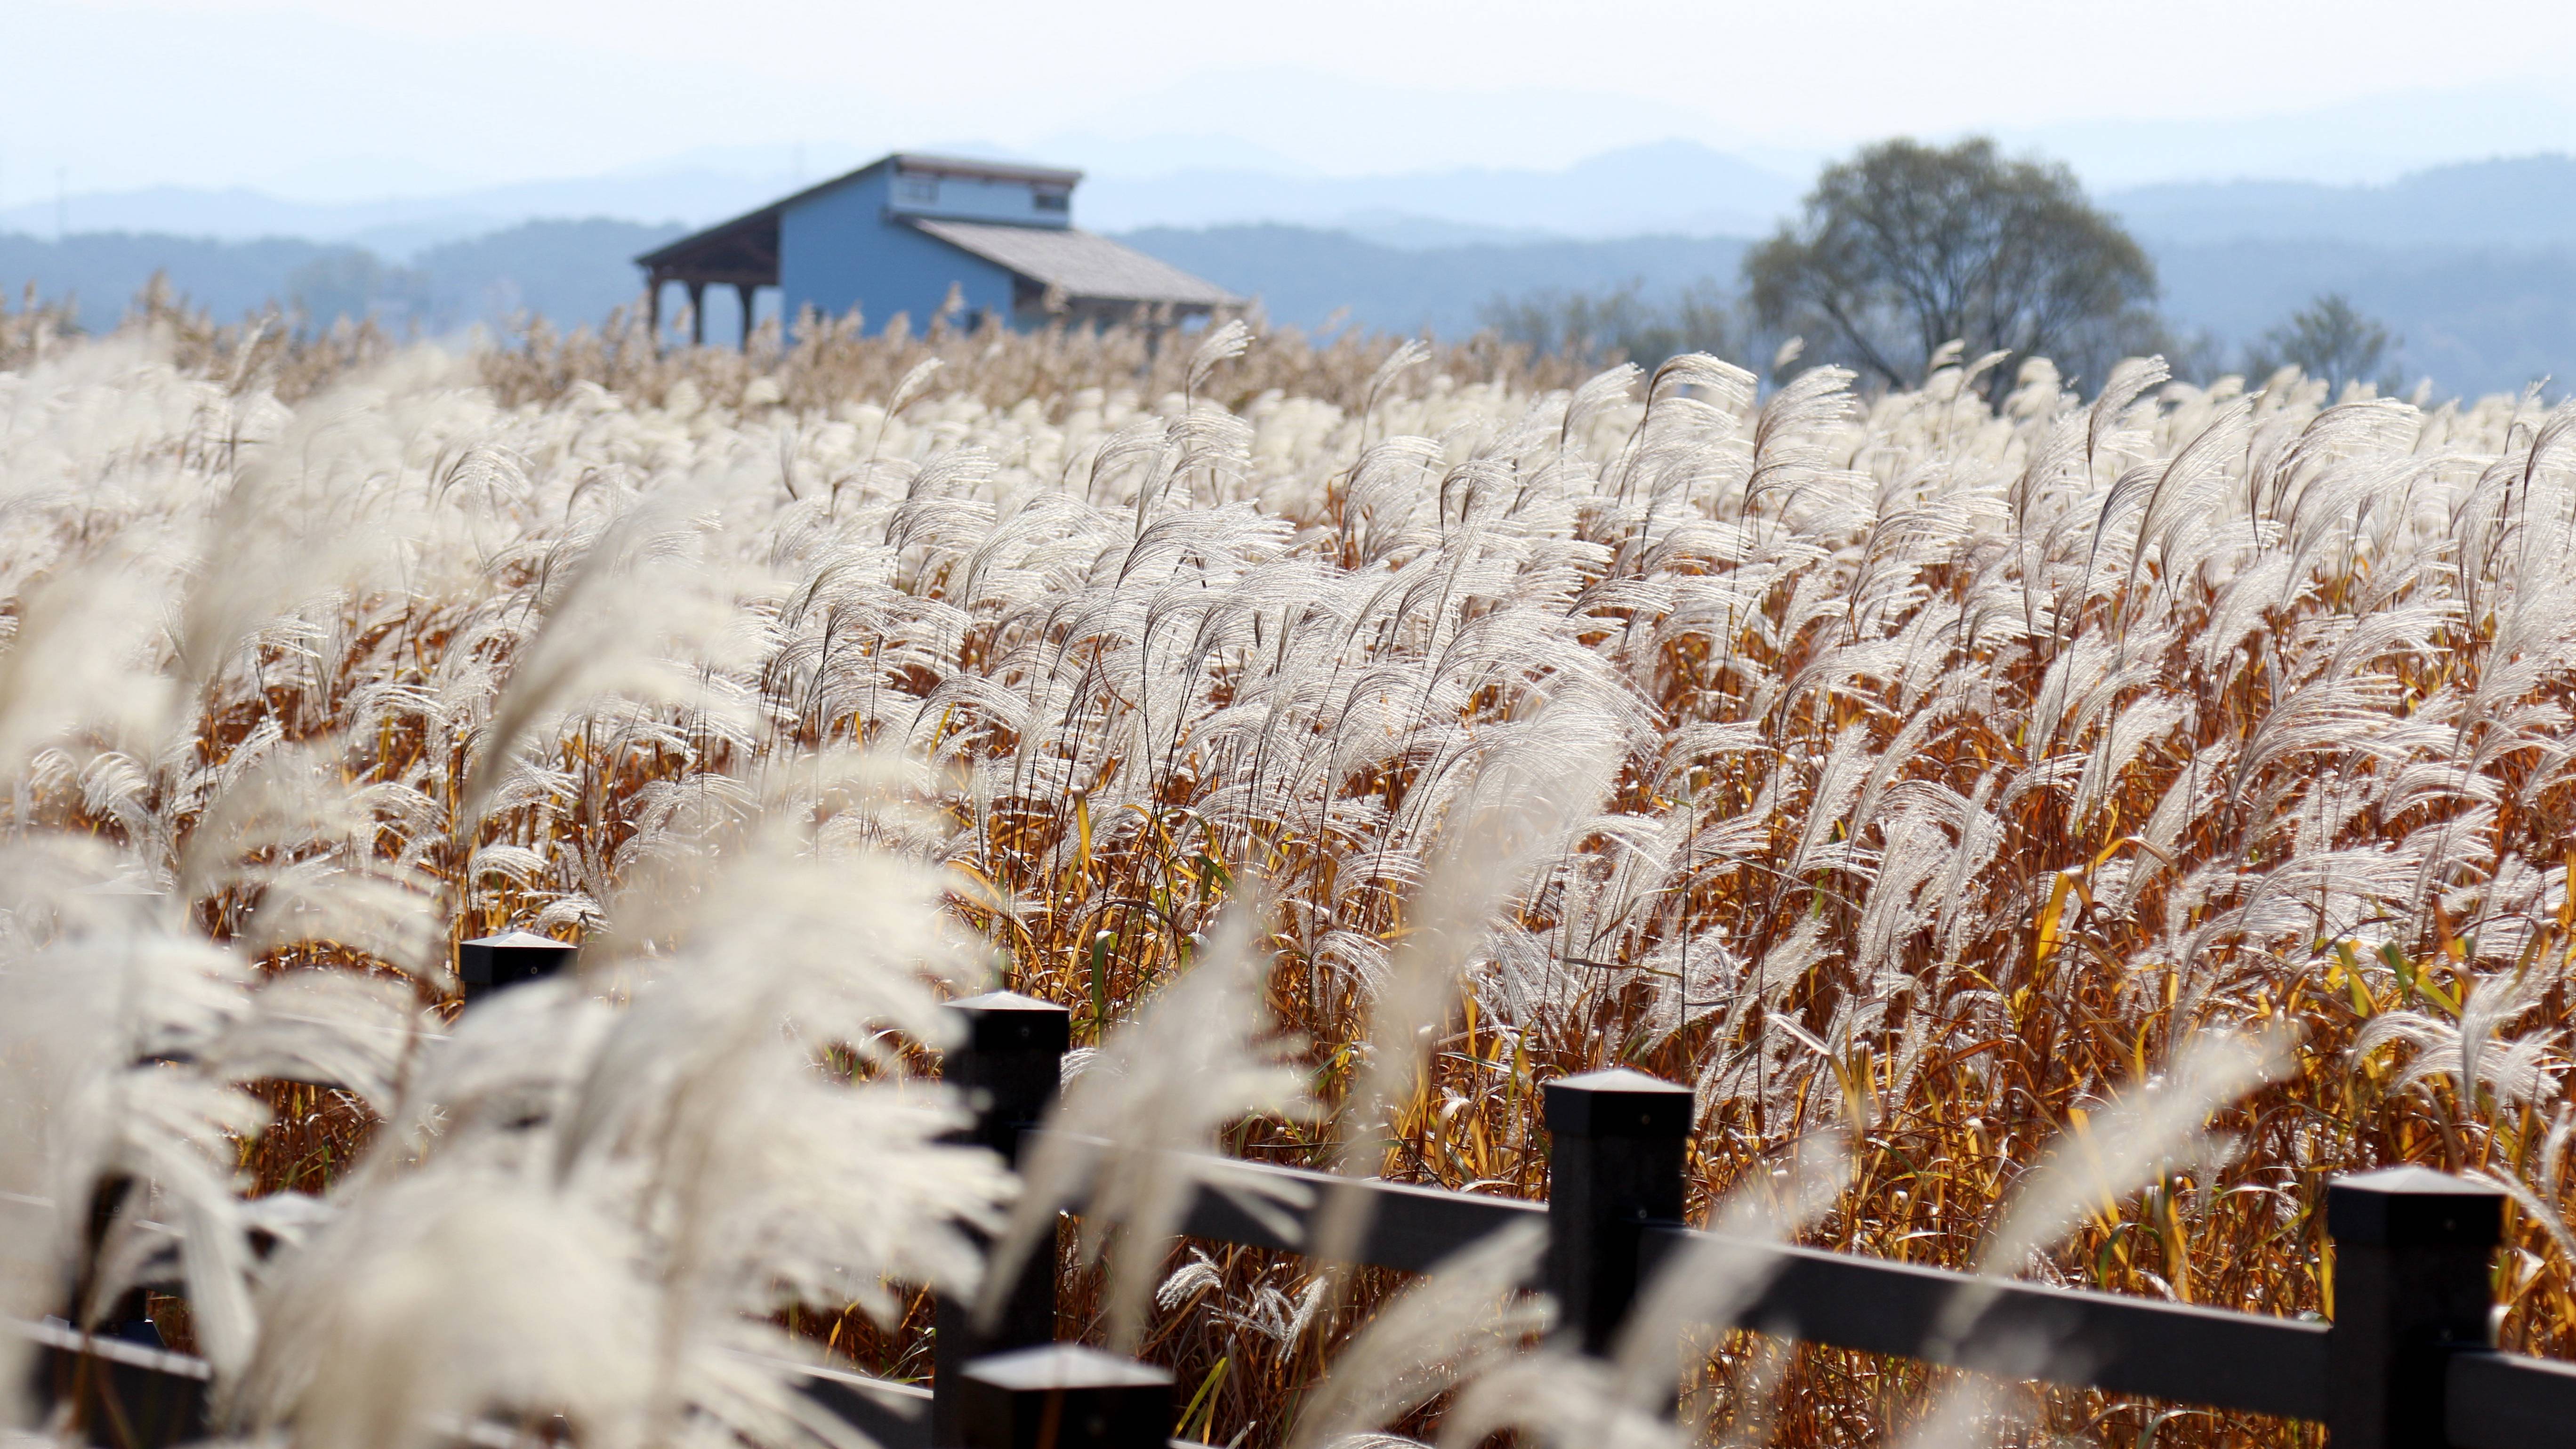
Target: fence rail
column 2074, row 1337
column 1404, row 1227
column 2408, row 1364
column 2509, row 1400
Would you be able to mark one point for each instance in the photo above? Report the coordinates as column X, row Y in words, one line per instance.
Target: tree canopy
column 1624, row 323
column 2330, row 339
column 1906, row 246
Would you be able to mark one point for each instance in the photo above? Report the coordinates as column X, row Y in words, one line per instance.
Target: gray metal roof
column 919, row 161
column 1087, row 267
column 746, row 248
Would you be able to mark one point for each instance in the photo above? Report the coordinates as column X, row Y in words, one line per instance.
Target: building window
column 917, row 190
column 1055, row 201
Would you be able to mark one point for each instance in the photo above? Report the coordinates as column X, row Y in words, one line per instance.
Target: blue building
column 904, row 233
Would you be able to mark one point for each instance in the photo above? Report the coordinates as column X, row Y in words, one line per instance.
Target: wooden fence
column 2408, row 1363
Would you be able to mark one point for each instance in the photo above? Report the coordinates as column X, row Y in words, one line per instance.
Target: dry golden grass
column 2297, row 758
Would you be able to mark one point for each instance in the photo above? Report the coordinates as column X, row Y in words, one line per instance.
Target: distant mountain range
column 2473, row 264
column 569, row 271
column 1308, row 278
column 2475, row 319
column 2527, row 201
column 1671, row 188
column 400, row 227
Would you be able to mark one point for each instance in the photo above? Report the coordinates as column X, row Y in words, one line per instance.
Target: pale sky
column 344, row 98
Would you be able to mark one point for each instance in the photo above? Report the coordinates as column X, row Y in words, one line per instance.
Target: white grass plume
column 1468, row 1309
column 82, row 657
column 1521, row 808
column 1968, row 1413
column 445, row 1299
column 1559, row 1396
column 1202, row 1054
column 2145, row 1133
column 638, row 607
column 1726, row 1268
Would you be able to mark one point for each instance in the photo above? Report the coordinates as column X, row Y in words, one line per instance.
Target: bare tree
column 1907, row 246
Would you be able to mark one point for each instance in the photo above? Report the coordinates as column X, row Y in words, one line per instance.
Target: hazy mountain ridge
column 400, row 228
column 100, row 273
column 1306, row 278
column 570, row 271
column 2474, row 319
column 2517, row 201
column 1671, row 187
column 2472, row 265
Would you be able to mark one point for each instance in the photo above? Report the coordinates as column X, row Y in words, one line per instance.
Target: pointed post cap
column 1065, row 1366
column 1619, row 1102
column 488, row 963
column 1008, row 1021
column 2413, row 1207
column 1063, row 1396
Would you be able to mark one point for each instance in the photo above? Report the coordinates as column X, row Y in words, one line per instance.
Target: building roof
column 919, row 162
column 746, row 247
column 1088, row 267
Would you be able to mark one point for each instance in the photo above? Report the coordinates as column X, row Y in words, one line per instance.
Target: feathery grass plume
column 357, row 1033
column 81, row 658
column 1469, row 1309
column 446, row 1299
column 699, row 1143
column 637, row 616
column 1924, row 712
column 289, row 830
column 1968, row 1413
column 509, row 1067
column 1412, row 352
column 1558, row 1396
column 2141, row 1136
column 1224, row 342
column 2515, row 1072
column 1726, row 1268
column 1147, row 1106
column 706, row 1116
column 1531, row 795
column 304, row 521
column 105, row 1027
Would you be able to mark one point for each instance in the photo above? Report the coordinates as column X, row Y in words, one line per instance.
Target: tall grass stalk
column 1907, row 768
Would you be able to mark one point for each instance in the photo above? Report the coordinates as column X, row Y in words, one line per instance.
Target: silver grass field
column 2050, row 835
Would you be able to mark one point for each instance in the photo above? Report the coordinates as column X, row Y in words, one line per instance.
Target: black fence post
column 2413, row 1249
column 1008, row 1067
column 1617, row 1145
column 489, row 963
column 1063, row 1396
column 129, row 1319
column 120, row 1395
